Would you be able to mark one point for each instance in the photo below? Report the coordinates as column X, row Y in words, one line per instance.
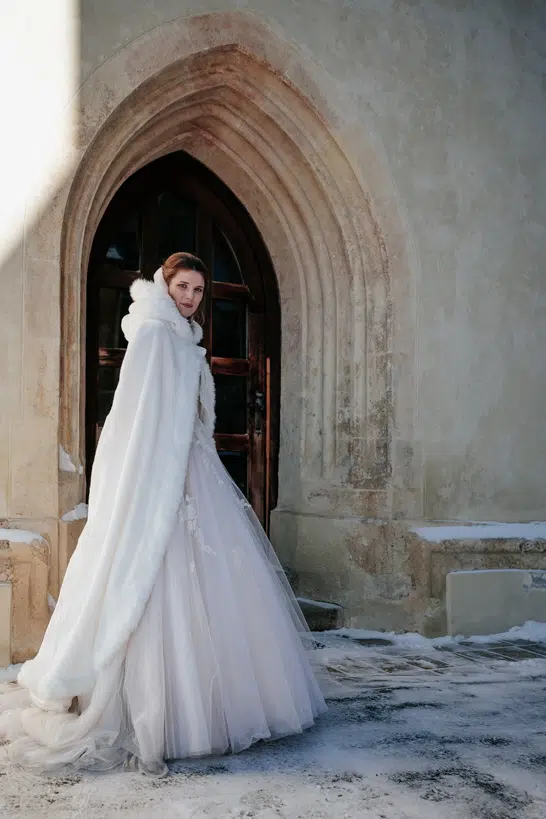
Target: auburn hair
column 187, row 261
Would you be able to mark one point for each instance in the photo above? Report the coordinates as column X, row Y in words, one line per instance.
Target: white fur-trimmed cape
column 151, row 300
column 136, row 487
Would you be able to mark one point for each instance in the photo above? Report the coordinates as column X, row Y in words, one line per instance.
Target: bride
column 176, row 633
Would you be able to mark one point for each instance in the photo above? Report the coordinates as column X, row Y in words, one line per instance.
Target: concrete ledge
column 391, row 574
column 492, row 601
column 24, row 565
column 320, row 615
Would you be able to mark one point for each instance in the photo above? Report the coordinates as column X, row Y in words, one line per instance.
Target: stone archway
column 227, row 90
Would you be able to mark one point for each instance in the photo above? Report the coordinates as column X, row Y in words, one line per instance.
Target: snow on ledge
column 318, row 604
column 66, row 464
column 78, row 513
column 483, row 531
column 20, row 536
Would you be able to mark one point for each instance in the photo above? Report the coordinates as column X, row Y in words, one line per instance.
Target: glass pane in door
column 229, row 329
column 124, row 247
column 236, row 464
column 113, row 305
column 231, row 404
column 225, row 267
column 176, row 225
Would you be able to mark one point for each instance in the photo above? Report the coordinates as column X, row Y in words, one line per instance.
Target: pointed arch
column 223, row 94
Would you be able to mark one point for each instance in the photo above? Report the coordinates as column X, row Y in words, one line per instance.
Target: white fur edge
column 144, row 289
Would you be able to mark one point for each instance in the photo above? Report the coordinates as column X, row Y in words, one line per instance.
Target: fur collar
column 151, row 300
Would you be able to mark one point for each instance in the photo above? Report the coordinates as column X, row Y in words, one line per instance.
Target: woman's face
column 186, row 289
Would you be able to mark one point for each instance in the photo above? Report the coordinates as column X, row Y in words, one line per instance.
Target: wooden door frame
column 232, row 217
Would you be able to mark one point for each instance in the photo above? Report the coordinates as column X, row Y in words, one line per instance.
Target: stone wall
column 449, row 99
column 392, row 155
column 24, row 569
column 388, row 577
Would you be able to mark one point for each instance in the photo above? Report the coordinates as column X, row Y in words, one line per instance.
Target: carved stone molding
column 235, row 95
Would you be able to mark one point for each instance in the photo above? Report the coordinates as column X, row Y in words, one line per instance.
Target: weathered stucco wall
column 405, row 212
column 39, row 65
column 452, row 95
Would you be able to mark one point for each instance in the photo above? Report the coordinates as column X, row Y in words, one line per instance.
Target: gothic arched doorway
column 173, row 204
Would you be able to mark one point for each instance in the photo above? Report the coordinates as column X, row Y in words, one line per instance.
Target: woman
column 175, row 633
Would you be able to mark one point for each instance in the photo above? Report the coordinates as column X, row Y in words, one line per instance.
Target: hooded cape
column 137, row 484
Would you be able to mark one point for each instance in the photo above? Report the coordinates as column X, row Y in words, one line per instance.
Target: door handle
column 258, row 405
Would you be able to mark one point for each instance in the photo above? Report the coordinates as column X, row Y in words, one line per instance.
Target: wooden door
column 177, row 204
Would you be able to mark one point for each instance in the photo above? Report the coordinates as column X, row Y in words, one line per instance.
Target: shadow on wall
column 40, row 53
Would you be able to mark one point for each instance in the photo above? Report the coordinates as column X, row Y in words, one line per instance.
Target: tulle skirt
column 218, row 661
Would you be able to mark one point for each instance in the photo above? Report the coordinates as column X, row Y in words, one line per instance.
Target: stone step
column 321, row 615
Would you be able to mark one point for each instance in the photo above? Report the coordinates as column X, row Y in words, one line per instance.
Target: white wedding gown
column 218, row 661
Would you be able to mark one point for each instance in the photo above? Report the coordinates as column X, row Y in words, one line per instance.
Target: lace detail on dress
column 210, row 466
column 208, row 446
column 187, row 512
column 210, row 454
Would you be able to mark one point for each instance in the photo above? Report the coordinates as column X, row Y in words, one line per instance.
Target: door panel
column 171, row 205
column 229, row 329
column 231, row 404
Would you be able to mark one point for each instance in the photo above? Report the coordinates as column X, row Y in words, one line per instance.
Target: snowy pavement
column 417, row 729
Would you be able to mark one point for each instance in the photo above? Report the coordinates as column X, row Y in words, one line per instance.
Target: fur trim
column 151, row 300
column 207, row 399
column 142, row 289
column 131, row 520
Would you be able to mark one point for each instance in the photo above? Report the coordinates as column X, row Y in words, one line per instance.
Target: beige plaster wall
column 39, row 66
column 39, row 69
column 452, row 96
column 430, row 117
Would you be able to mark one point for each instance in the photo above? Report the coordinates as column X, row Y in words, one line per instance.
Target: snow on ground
column 530, row 631
column 9, row 674
column 416, row 729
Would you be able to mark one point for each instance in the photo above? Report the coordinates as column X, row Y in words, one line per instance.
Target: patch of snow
column 65, row 461
column 483, row 531
column 318, row 604
column 78, row 513
column 66, row 464
column 532, row 631
column 408, row 640
column 20, row 535
column 10, row 673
